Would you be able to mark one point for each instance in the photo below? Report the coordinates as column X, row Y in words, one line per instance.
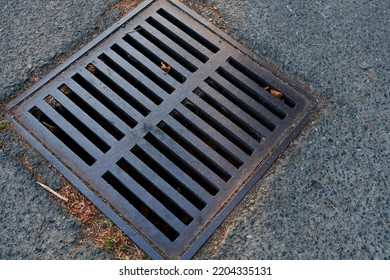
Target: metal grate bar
column 140, row 73
column 223, row 167
column 131, row 107
column 176, row 38
column 59, row 145
column 233, row 101
column 67, row 116
column 172, row 45
column 262, row 97
column 148, row 200
column 175, row 199
column 258, row 78
column 257, row 110
column 89, row 104
column 111, row 102
column 216, row 136
column 158, row 188
column 107, row 108
column 136, row 211
column 198, row 191
column 154, row 65
column 206, row 36
column 196, row 153
column 120, row 75
column 131, row 95
column 171, row 59
column 205, row 177
column 76, row 111
column 206, row 139
column 231, row 111
column 239, row 136
column 179, row 55
column 180, row 23
column 59, row 123
column 183, row 36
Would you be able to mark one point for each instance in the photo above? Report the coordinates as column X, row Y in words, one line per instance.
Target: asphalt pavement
column 35, row 36
column 327, row 197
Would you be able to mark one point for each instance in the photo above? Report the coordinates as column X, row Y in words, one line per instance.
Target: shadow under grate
column 164, row 123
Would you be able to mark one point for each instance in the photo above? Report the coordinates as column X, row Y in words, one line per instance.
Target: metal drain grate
column 164, row 123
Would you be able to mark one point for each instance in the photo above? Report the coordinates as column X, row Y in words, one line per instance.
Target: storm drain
column 164, row 123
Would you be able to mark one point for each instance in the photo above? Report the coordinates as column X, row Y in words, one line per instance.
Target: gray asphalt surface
column 34, row 36
column 327, row 197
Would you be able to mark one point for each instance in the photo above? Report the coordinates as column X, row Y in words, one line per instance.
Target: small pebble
column 365, row 65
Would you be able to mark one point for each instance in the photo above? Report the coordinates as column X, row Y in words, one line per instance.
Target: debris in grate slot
column 164, row 123
column 165, row 67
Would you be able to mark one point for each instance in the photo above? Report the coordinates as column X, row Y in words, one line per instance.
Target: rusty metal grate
column 165, row 153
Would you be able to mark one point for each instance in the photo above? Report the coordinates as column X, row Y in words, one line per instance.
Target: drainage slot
column 228, row 114
column 148, row 213
column 206, row 139
column 81, row 127
column 194, row 151
column 183, row 165
column 130, row 79
column 139, row 66
column 84, row 106
column 104, row 100
column 153, row 58
column 184, row 62
column 177, row 39
column 188, row 30
column 171, row 180
column 250, row 92
column 218, row 127
column 239, row 103
column 62, row 136
column 257, row 79
column 154, row 191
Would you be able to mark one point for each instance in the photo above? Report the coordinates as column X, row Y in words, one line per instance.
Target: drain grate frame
column 165, row 154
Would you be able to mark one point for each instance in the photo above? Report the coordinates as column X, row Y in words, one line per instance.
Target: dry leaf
column 277, row 94
column 165, row 67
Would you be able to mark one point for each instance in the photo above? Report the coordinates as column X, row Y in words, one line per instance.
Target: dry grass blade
column 53, row 192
